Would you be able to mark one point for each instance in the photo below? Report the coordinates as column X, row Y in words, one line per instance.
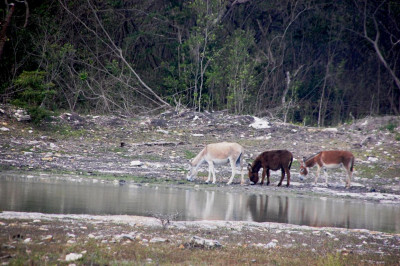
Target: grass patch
column 372, row 170
column 64, row 131
column 189, row 154
column 390, row 127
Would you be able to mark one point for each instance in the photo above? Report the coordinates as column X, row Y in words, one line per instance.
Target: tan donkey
column 218, row 153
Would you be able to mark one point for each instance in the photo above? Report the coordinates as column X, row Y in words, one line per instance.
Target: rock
column 28, row 240
column 373, row 159
column 330, row 129
column 158, row 123
column 330, row 235
column 73, row 257
column 271, row 244
column 197, row 241
column 47, row 238
column 53, row 146
column 69, row 235
column 22, row 115
column 125, row 236
column 136, row 163
column 158, row 240
column 4, row 129
column 260, row 123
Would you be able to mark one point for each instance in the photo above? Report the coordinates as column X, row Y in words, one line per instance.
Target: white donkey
column 218, row 153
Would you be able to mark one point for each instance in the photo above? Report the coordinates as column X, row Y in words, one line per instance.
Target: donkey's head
column 303, row 169
column 253, row 175
column 192, row 173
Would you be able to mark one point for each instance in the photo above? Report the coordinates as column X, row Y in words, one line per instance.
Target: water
column 49, row 196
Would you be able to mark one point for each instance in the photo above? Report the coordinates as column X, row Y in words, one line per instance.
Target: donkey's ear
column 304, row 159
column 249, row 167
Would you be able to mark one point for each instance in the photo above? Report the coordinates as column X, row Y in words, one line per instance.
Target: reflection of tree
column 264, row 208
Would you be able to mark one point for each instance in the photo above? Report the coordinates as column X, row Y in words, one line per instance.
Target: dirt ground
column 159, row 148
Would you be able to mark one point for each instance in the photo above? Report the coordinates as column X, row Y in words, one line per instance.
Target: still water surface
column 49, row 196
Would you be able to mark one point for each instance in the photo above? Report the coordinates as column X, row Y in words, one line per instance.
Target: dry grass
column 294, row 248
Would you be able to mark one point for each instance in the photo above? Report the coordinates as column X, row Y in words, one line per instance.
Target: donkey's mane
column 312, row 156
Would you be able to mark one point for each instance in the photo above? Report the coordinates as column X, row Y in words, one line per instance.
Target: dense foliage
column 315, row 62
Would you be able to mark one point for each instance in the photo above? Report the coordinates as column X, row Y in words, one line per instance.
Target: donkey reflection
column 269, row 208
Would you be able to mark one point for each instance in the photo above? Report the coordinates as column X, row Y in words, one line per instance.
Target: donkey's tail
column 290, row 164
column 238, row 160
column 352, row 164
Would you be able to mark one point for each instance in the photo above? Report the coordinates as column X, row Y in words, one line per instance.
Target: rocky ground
column 158, row 148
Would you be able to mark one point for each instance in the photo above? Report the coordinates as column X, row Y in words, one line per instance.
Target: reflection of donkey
column 271, row 160
column 218, row 153
column 329, row 159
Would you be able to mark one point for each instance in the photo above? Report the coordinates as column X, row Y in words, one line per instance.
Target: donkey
column 271, row 160
column 218, row 153
column 329, row 159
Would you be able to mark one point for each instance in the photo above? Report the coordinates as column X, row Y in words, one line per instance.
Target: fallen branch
column 158, row 143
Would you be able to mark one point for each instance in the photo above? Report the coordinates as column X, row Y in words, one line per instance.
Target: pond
column 47, row 195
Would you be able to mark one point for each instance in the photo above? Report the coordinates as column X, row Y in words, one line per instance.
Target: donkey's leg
column 268, row 173
column 242, row 174
column 241, row 170
column 282, row 177
column 233, row 163
column 349, row 176
column 317, row 175
column 326, row 177
column 213, row 173
column 263, row 176
column 287, row 170
column 210, row 170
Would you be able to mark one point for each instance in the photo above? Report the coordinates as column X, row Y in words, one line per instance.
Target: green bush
column 391, row 127
column 32, row 94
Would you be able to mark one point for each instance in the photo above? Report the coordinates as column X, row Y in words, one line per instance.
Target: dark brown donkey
column 271, row 160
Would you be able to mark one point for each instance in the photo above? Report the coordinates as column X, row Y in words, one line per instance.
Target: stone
column 47, row 238
column 73, row 257
column 158, row 240
column 197, row 241
column 136, row 163
column 271, row 244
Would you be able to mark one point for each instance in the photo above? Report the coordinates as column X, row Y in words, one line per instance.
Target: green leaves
column 32, row 92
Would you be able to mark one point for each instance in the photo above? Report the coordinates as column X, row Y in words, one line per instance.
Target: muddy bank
column 159, row 149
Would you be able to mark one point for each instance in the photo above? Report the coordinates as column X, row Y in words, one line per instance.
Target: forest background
column 314, row 62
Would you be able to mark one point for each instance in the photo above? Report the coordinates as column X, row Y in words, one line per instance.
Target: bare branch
column 114, row 48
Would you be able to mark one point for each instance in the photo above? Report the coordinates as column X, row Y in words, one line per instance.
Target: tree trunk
column 3, row 33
